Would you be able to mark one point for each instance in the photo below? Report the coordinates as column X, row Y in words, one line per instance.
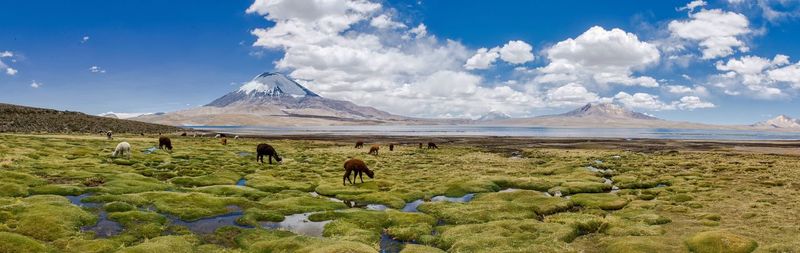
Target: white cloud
column 35, row 84
column 680, row 89
column 716, row 31
column 600, row 56
column 339, row 49
column 789, row 74
column 96, row 69
column 3, row 67
column 642, row 101
column 571, row 94
column 84, row 39
column 651, row 102
column 516, row 52
column 693, row 102
column 483, row 59
column 692, row 5
column 384, row 21
column 755, row 76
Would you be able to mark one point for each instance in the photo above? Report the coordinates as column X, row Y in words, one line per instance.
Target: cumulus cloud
column 354, row 50
column 483, row 59
column 600, row 56
column 651, row 102
column 572, row 94
column 5, row 68
column 35, row 84
column 514, row 52
column 717, row 32
column 756, row 76
column 384, row 21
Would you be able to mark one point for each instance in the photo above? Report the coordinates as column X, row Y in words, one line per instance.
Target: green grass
column 668, row 202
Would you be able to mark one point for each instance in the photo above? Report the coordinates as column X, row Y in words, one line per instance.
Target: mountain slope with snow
column 273, row 99
column 782, row 121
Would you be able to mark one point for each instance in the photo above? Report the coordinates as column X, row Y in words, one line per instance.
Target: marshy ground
column 64, row 193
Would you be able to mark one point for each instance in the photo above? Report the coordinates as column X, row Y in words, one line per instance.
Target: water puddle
column 298, row 224
column 244, row 153
column 241, row 182
column 150, row 150
column 389, row 244
column 509, row 190
column 598, row 161
column 209, row 225
column 411, row 207
column 104, row 227
column 462, row 199
column 376, row 207
column 607, row 181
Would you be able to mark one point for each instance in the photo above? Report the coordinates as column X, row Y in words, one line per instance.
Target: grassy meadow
column 547, row 199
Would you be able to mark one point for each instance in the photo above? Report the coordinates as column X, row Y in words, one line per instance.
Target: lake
column 509, row 131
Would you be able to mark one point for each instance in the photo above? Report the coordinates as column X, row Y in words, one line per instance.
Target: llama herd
column 353, row 166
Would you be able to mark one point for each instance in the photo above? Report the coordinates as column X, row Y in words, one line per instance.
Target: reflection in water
column 104, row 227
column 211, row 224
column 411, row 207
column 462, row 199
column 298, row 224
column 150, row 150
column 241, row 182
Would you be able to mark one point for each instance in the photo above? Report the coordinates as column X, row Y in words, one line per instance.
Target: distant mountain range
column 272, row 99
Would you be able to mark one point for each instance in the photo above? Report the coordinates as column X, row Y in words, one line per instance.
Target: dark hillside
column 15, row 118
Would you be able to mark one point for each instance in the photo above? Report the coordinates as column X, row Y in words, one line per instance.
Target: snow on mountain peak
column 782, row 121
column 275, row 85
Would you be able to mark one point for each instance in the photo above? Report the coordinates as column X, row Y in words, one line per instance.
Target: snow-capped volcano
column 275, row 99
column 266, row 85
column 782, row 121
column 605, row 110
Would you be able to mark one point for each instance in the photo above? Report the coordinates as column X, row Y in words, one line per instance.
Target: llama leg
column 270, row 159
column 360, row 175
column 346, row 175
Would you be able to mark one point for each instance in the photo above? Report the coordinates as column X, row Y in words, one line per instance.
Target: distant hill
column 606, row 115
column 16, row 118
column 273, row 99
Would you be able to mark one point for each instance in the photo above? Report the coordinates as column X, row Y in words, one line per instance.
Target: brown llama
column 184, row 134
column 420, row 145
column 357, row 166
column 224, row 141
column 264, row 149
column 432, row 145
column 391, row 147
column 164, row 143
column 360, row 144
column 374, row 149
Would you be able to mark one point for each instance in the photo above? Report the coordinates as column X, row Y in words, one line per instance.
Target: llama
column 420, row 145
column 236, row 137
column 224, row 141
column 184, row 134
column 122, row 149
column 391, row 147
column 109, row 135
column 360, row 144
column 217, row 136
column 264, row 149
column 358, row 166
column 374, row 149
column 432, row 145
column 165, row 143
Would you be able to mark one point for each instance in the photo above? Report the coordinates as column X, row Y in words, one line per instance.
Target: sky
column 722, row 62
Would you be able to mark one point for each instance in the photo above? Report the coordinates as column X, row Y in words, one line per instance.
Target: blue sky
column 419, row 58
